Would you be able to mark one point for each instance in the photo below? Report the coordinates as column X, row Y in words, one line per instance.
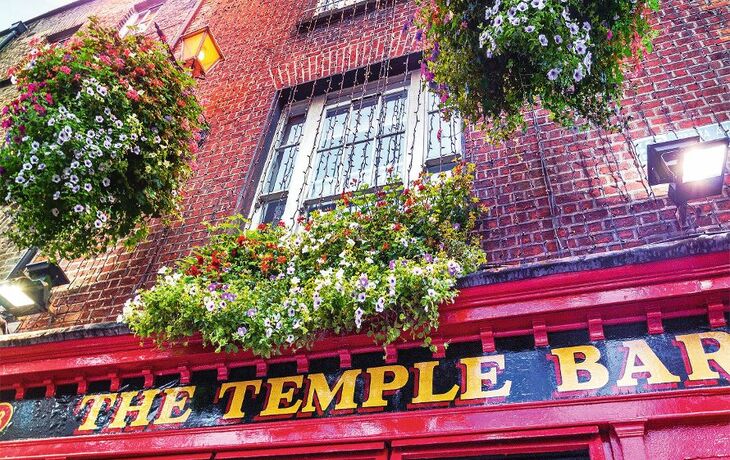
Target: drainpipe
column 14, row 31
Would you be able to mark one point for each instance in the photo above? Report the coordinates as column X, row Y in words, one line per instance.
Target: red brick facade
column 552, row 193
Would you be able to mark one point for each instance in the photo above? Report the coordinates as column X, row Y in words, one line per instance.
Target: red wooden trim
column 482, row 437
column 716, row 314
column 358, row 448
column 631, row 438
column 681, row 406
column 545, row 446
column 681, row 287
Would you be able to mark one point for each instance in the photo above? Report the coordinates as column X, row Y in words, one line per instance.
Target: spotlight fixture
column 200, row 51
column 28, row 290
column 693, row 169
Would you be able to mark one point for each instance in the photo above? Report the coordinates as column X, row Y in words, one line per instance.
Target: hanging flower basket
column 97, row 143
column 380, row 263
column 489, row 60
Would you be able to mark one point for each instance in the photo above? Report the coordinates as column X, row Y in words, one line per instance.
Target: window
column 335, row 143
column 140, row 20
column 59, row 38
column 324, row 6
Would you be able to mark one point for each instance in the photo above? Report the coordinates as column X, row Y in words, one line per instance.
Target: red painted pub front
column 599, row 329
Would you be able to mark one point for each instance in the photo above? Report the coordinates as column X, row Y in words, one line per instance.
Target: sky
column 12, row 11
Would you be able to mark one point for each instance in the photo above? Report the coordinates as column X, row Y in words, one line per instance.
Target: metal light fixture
column 200, row 51
column 28, row 290
column 693, row 169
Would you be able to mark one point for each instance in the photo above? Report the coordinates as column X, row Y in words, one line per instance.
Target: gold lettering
column 475, row 377
column 277, row 394
column 140, row 410
column 699, row 359
column 319, row 388
column 97, row 402
column 569, row 368
column 175, row 399
column 650, row 364
column 235, row 406
column 425, row 392
column 378, row 386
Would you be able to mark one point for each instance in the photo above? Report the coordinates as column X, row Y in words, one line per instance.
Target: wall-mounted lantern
column 28, row 290
column 200, row 51
column 693, row 169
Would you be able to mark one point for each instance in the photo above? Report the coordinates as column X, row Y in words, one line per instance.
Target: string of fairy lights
column 388, row 129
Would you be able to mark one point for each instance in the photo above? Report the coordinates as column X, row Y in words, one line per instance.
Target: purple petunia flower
column 578, row 73
column 553, row 74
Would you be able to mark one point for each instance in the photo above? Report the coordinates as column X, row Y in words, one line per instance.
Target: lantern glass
column 201, row 47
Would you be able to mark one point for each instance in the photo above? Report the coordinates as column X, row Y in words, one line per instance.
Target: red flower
column 281, row 259
column 133, row 95
column 241, row 239
column 281, row 224
column 346, row 198
column 262, row 227
column 199, row 258
column 49, row 98
column 65, row 69
column 193, row 270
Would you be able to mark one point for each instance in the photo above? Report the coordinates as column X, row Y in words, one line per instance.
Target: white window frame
column 328, row 6
column 315, row 110
column 136, row 18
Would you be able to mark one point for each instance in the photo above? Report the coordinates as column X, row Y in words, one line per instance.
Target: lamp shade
column 200, row 51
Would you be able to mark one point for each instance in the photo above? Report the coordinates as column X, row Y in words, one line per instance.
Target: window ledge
column 336, row 15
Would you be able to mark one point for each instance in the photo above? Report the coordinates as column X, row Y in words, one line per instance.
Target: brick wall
column 552, row 192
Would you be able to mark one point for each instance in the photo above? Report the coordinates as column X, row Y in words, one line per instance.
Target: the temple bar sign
column 466, row 377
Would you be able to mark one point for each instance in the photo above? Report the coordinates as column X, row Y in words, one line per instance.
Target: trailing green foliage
column 97, row 143
column 489, row 60
column 379, row 262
